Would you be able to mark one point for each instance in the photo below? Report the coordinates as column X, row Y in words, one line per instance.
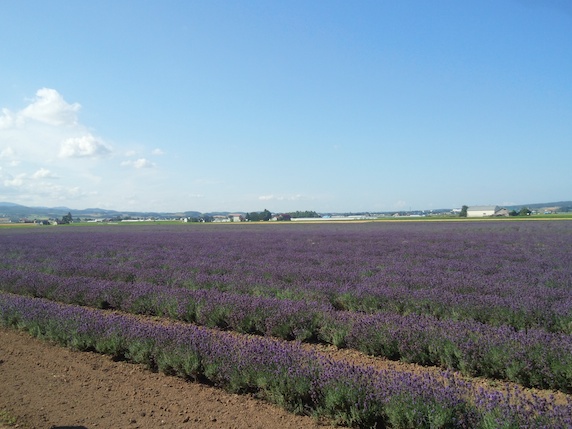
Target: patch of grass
column 7, row 418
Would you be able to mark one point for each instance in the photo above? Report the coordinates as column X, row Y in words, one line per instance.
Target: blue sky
column 333, row 106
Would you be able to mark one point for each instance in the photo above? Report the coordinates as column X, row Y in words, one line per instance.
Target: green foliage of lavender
column 499, row 273
column 534, row 358
column 492, row 299
column 299, row 380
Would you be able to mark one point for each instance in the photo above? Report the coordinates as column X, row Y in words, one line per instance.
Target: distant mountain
column 536, row 206
column 5, row 204
column 15, row 212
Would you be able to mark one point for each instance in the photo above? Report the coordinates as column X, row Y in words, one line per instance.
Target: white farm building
column 482, row 211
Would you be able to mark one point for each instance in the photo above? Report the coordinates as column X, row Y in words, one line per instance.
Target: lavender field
column 490, row 299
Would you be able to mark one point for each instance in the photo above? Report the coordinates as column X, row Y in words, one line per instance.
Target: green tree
column 253, row 217
column 67, row 219
column 306, row 213
column 463, row 211
column 524, row 212
column 266, row 215
column 258, row 216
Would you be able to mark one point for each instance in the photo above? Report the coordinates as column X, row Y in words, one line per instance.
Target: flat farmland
column 483, row 310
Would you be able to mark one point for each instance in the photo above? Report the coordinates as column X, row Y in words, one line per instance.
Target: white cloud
column 15, row 182
column 143, row 163
column 34, row 188
column 46, row 158
column 46, row 127
column 7, row 119
column 138, row 163
column 7, row 153
column 280, row 197
column 50, row 108
column 86, row 146
column 43, row 173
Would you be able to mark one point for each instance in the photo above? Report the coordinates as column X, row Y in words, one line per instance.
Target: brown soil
column 46, row 386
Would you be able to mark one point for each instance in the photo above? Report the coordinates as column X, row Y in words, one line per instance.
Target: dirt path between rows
column 46, row 386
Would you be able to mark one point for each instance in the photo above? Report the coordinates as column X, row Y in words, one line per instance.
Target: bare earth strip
column 47, row 386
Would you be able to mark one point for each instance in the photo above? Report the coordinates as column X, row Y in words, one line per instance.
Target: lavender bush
column 534, row 359
column 488, row 298
column 300, row 380
column 501, row 273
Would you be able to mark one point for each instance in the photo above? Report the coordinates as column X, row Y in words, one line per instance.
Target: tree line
column 266, row 215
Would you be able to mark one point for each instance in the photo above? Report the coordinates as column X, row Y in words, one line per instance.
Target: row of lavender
column 500, row 273
column 285, row 373
column 535, row 358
